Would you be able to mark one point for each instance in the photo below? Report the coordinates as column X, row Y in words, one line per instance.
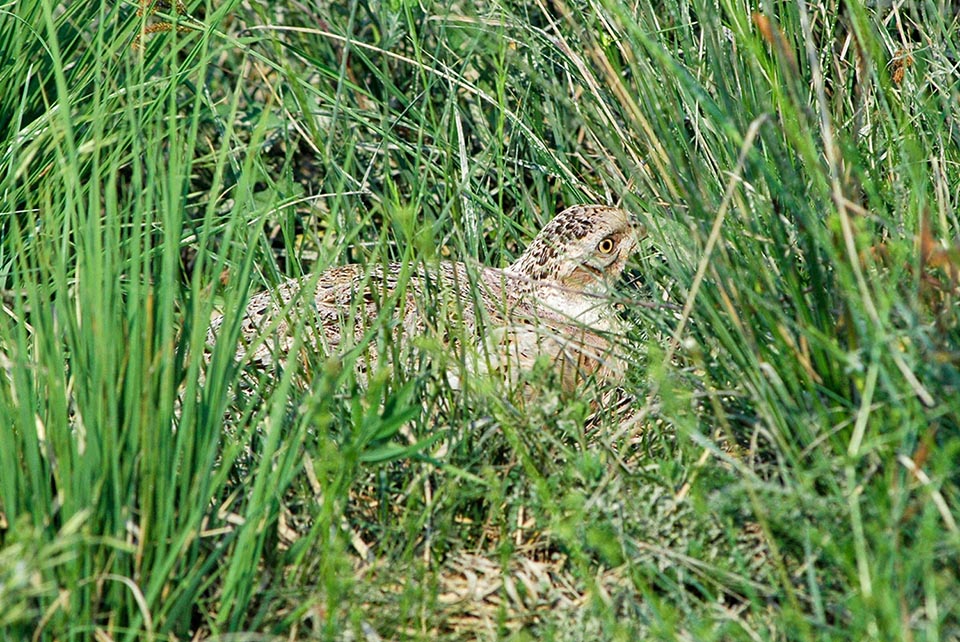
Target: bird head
column 583, row 249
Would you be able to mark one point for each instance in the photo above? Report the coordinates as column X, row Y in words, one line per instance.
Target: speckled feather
column 553, row 301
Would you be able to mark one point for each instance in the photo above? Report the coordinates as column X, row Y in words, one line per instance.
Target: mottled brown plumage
column 553, row 302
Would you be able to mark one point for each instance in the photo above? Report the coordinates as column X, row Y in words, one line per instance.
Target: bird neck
column 535, row 263
column 574, row 306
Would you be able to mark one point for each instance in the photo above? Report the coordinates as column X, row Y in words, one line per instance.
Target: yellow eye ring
column 606, row 246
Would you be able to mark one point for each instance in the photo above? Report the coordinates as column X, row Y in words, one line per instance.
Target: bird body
column 552, row 303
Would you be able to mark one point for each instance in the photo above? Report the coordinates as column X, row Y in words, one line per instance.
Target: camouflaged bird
column 552, row 304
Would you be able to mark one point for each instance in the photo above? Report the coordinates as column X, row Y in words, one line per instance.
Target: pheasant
column 553, row 303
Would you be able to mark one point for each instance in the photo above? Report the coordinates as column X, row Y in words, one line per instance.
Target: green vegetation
column 790, row 469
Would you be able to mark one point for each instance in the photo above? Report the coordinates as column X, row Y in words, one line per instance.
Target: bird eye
column 606, row 245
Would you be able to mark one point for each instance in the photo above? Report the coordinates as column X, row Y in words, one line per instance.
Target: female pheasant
column 552, row 303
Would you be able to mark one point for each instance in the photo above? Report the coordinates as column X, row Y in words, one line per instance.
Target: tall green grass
column 789, row 471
